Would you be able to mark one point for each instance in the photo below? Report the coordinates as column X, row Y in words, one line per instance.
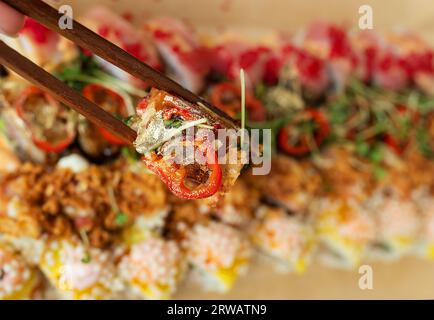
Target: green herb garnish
column 362, row 148
column 173, row 123
column 131, row 155
column 424, row 143
column 121, row 218
column 379, row 172
column 243, row 105
column 87, row 257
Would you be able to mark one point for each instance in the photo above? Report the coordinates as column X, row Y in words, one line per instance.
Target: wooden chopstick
column 85, row 38
column 61, row 91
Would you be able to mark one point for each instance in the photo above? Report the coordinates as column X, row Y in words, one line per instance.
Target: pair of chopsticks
column 85, row 38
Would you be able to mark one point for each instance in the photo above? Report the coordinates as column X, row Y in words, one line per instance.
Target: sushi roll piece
column 393, row 205
column 287, row 240
column 330, row 43
column 310, row 71
column 16, row 218
column 98, row 143
column 417, row 58
column 398, row 226
column 10, row 160
column 425, row 244
column 366, row 45
column 291, row 184
column 218, row 255
column 79, row 272
column 153, row 268
column 118, row 30
column 345, row 231
column 177, row 140
column 344, row 227
column 422, row 175
column 186, row 61
column 48, row 124
column 41, row 45
column 14, row 129
column 380, row 62
column 18, row 279
column 144, row 198
column 229, row 53
column 237, row 206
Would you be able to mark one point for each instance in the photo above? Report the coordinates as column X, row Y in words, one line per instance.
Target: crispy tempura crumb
column 100, row 201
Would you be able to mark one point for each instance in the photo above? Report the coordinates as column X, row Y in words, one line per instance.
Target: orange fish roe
column 153, row 268
column 398, row 219
column 283, row 237
column 213, row 246
column 79, row 272
column 18, row 280
column 347, row 219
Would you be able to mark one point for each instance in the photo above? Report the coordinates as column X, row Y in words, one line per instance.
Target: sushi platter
column 346, row 116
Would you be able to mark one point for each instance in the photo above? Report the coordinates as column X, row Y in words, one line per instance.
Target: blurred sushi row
column 352, row 175
column 304, row 221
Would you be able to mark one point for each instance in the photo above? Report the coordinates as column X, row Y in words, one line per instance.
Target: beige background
column 281, row 14
column 409, row 278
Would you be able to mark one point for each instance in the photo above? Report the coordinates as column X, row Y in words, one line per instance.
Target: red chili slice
column 175, row 176
column 49, row 139
column 174, row 111
column 111, row 102
column 393, row 142
column 302, row 147
column 227, row 97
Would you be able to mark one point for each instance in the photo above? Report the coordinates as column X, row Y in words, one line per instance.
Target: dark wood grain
column 30, row 71
column 91, row 41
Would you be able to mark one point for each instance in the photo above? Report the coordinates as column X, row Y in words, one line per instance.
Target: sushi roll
column 422, row 177
column 425, row 244
column 153, row 268
column 218, row 255
column 416, row 58
column 41, row 45
column 345, row 231
column 237, row 206
column 366, row 45
column 311, row 72
column 286, row 239
column 394, row 208
column 185, row 59
column 10, row 160
column 380, row 61
column 16, row 218
column 79, row 272
column 118, row 30
column 229, row 53
column 398, row 227
column 18, row 279
column 330, row 43
column 291, row 184
column 345, row 228
column 14, row 129
column 142, row 197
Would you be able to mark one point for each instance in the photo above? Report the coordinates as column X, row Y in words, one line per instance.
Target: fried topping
column 62, row 203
